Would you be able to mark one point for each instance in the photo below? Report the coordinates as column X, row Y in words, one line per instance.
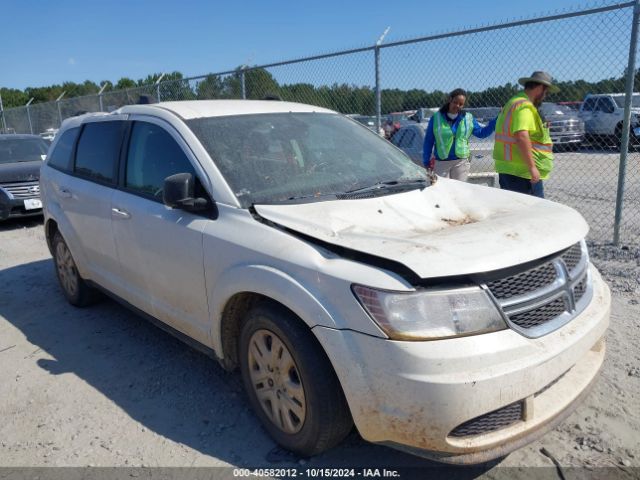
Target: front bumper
column 413, row 395
column 19, row 207
column 567, row 138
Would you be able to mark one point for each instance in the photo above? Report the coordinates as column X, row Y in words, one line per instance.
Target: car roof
column 190, row 109
column 609, row 94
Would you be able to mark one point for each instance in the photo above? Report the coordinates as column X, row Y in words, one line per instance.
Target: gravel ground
column 103, row 387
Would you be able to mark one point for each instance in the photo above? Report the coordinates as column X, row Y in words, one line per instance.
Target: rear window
column 98, row 151
column 61, row 156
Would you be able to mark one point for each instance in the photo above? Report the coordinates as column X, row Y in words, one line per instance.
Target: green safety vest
column 444, row 135
column 506, row 153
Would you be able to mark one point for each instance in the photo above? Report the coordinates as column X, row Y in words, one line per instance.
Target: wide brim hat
column 543, row 78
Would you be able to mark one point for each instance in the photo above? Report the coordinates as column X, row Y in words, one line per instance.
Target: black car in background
column 20, row 159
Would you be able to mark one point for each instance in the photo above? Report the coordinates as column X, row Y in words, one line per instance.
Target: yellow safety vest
column 506, row 153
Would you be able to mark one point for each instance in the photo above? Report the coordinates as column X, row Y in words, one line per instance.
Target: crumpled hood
column 450, row 228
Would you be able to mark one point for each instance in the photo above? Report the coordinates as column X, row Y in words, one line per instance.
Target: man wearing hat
column 523, row 151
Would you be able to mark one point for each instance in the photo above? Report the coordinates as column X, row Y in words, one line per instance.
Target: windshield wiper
column 408, row 184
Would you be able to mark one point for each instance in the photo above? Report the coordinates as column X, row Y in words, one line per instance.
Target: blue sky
column 51, row 42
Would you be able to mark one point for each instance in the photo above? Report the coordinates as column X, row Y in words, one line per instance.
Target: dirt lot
column 103, row 387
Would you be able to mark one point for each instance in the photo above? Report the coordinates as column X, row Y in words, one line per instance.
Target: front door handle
column 64, row 193
column 119, row 213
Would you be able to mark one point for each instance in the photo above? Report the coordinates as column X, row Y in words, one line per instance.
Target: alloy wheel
column 67, row 272
column 276, row 381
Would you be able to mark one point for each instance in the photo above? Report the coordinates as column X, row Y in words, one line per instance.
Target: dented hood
column 450, row 228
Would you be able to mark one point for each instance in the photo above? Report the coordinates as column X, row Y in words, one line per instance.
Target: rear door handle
column 119, row 213
column 64, row 193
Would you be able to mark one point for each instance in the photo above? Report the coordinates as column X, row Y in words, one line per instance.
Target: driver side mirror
column 179, row 193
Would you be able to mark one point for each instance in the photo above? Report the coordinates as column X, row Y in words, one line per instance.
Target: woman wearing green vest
column 449, row 131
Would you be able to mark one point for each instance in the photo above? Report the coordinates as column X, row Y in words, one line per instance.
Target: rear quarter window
column 62, row 155
column 98, row 151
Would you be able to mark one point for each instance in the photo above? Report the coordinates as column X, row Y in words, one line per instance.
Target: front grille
column 490, row 422
column 22, row 189
column 572, row 257
column 536, row 301
column 580, row 289
column 540, row 315
column 565, row 126
column 524, row 282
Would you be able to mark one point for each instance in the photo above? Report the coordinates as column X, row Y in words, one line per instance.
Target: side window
column 607, row 106
column 98, row 151
column 61, row 157
column 153, row 156
column 588, row 104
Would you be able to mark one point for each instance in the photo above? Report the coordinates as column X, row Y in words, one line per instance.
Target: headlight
column 431, row 314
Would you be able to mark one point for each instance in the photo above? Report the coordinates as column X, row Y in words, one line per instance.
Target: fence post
column 158, row 87
column 242, row 84
column 100, row 96
column 378, row 90
column 624, row 142
column 4, row 122
column 29, row 115
column 58, row 105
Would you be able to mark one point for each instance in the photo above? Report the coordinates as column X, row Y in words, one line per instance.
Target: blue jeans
column 521, row 185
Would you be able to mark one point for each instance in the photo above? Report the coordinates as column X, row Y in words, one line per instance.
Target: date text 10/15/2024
column 316, row 472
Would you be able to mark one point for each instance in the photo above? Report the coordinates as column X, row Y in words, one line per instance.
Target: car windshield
column 635, row 100
column 14, row 150
column 273, row 158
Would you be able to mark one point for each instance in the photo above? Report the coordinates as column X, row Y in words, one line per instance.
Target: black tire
column 312, row 415
column 634, row 142
column 73, row 286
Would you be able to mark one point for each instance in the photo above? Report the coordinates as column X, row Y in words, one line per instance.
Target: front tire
column 290, row 382
column 75, row 289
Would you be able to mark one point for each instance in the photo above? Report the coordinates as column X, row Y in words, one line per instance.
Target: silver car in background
column 565, row 126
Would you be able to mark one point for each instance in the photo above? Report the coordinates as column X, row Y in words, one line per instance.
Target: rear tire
column 75, row 289
column 290, row 383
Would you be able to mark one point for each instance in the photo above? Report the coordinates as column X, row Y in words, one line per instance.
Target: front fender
column 269, row 282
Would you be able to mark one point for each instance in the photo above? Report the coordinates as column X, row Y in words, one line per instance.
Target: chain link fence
column 587, row 51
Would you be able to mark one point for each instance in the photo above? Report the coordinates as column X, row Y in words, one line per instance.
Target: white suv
column 454, row 321
column 603, row 116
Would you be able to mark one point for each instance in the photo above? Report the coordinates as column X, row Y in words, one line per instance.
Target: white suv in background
column 453, row 321
column 603, row 116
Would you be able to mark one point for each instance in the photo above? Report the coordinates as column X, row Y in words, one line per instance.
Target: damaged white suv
column 454, row 321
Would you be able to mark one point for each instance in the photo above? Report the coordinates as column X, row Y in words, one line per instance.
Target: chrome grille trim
column 22, row 189
column 534, row 313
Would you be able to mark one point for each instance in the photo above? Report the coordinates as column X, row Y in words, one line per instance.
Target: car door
column 599, row 117
column 84, row 195
column 412, row 143
column 607, row 119
column 159, row 248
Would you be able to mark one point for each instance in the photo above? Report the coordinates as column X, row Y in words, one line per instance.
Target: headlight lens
column 431, row 314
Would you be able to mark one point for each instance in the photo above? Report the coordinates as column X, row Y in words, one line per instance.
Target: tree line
column 259, row 83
